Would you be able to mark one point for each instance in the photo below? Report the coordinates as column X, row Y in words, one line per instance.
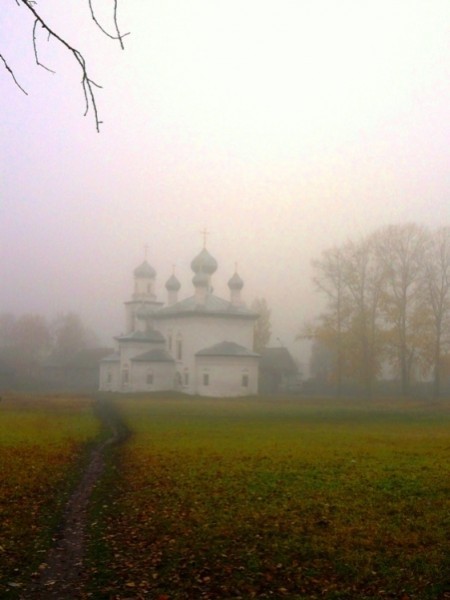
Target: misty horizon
column 284, row 129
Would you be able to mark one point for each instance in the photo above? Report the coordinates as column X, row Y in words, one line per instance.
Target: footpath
column 64, row 576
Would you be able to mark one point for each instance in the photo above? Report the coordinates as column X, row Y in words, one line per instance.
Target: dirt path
column 64, row 576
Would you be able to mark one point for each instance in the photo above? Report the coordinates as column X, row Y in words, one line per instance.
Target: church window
column 205, row 378
column 245, row 380
column 149, row 377
column 179, row 349
column 186, row 377
column 109, row 377
column 125, row 375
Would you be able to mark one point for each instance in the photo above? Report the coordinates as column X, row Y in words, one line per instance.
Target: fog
column 281, row 127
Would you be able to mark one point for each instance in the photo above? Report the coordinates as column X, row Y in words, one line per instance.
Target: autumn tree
column 332, row 326
column 263, row 328
column 435, row 296
column 400, row 249
column 321, row 362
column 364, row 278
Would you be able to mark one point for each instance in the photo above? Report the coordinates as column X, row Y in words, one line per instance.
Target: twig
column 8, row 68
column 119, row 35
column 35, row 49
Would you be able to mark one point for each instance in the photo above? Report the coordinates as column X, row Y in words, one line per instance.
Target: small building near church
column 201, row 344
column 277, row 371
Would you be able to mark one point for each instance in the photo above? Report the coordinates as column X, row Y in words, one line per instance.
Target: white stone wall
column 163, row 374
column 197, row 333
column 109, row 376
column 225, row 376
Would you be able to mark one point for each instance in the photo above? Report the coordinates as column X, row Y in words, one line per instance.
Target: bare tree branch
column 86, row 82
column 8, row 68
column 35, row 48
column 119, row 35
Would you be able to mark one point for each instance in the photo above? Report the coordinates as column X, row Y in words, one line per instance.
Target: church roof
column 155, row 355
column 213, row 306
column 226, row 349
column 278, row 359
column 145, row 270
column 115, row 357
column 142, row 336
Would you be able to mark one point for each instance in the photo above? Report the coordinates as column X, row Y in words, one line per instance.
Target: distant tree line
column 30, row 341
column 387, row 305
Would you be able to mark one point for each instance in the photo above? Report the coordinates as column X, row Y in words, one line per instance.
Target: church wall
column 129, row 316
column 196, row 333
column 109, row 376
column 220, row 376
column 152, row 377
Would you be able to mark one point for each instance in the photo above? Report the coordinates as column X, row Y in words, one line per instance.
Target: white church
column 201, row 344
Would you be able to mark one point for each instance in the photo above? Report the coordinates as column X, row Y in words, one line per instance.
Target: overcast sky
column 284, row 127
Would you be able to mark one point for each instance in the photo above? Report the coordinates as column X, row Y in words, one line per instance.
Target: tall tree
column 263, row 328
column 329, row 279
column 364, row 279
column 321, row 361
column 436, row 299
column 399, row 250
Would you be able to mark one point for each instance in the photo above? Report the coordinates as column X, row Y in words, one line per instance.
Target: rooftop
column 226, row 349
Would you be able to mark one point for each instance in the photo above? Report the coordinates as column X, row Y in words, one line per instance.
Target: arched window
column 149, row 378
column 169, row 340
column 186, row 377
column 108, row 377
column 205, row 379
column 125, row 375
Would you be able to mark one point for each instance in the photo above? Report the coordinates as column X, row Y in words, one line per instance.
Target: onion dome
column 204, row 263
column 200, row 280
column 172, row 284
column 144, row 270
column 235, row 283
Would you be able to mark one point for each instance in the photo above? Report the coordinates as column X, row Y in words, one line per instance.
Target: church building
column 201, row 344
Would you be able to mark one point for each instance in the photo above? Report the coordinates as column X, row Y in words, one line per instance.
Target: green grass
column 250, row 498
column 43, row 442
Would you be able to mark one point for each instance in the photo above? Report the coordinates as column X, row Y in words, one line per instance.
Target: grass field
column 255, row 499
column 42, row 443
